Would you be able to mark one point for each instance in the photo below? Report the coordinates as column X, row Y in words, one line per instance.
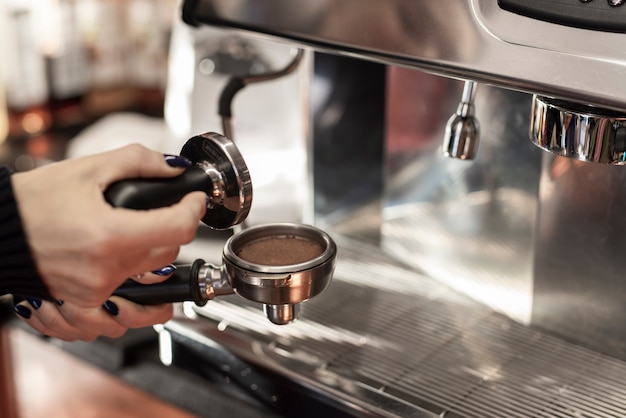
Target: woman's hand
column 83, row 247
column 69, row 322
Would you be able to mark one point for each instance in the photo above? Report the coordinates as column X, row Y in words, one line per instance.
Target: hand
column 69, row 322
column 83, row 247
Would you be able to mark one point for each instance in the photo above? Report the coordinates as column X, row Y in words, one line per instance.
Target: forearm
column 18, row 273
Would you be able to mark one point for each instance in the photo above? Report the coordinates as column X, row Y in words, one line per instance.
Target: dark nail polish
column 60, row 302
column 165, row 271
column 177, row 161
column 35, row 303
column 22, row 311
column 111, row 308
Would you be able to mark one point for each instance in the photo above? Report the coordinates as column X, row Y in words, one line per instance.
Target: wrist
column 18, row 272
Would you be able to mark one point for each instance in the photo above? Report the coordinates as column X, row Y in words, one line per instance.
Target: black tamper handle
column 181, row 286
column 157, row 192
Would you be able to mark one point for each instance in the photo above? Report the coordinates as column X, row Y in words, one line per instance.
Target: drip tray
column 386, row 341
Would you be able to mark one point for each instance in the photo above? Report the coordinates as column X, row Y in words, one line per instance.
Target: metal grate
column 417, row 342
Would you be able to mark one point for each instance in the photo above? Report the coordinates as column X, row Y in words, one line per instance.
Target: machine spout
column 462, row 130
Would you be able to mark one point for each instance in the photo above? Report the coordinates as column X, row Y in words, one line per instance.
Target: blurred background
column 68, row 63
column 84, row 76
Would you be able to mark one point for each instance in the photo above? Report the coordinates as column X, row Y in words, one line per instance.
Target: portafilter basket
column 279, row 265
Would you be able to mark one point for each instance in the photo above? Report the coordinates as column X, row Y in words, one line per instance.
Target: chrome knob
column 579, row 131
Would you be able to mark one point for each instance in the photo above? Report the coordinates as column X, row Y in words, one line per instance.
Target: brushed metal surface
column 470, row 224
column 414, row 348
column 469, row 39
column 579, row 288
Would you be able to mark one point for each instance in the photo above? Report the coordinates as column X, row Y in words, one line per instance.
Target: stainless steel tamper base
column 230, row 196
column 579, row 131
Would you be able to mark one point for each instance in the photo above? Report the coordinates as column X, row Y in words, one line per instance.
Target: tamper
column 278, row 265
column 218, row 170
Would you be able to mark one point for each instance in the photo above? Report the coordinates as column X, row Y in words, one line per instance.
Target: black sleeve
column 18, row 273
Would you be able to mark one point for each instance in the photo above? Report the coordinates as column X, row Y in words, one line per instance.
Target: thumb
column 137, row 161
column 156, row 276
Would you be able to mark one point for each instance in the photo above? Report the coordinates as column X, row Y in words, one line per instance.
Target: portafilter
column 278, row 265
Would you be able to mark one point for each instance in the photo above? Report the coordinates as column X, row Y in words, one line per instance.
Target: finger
column 136, row 161
column 133, row 315
column 97, row 285
column 97, row 320
column 154, row 259
column 45, row 318
column 156, row 276
column 173, row 225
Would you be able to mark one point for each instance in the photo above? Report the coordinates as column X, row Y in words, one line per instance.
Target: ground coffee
column 280, row 251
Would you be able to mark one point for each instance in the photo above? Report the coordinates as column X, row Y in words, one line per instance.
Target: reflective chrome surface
column 214, row 281
column 470, row 224
column 231, row 197
column 463, row 130
column 579, row 288
column 281, row 314
column 577, row 131
column 469, row 39
column 280, row 288
column 285, row 285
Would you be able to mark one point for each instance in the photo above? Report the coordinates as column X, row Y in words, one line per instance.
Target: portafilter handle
column 182, row 285
column 153, row 193
column 280, row 287
column 218, row 169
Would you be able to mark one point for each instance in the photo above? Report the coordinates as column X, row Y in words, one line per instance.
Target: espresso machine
column 466, row 157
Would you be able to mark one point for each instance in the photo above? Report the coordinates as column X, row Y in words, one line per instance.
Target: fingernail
column 35, row 303
column 22, row 311
column 111, row 308
column 60, row 302
column 165, row 271
column 176, row 161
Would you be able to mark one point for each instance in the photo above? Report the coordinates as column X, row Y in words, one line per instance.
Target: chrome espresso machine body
column 477, row 275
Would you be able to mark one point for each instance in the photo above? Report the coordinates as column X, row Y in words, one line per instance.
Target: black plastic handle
column 181, row 286
column 155, row 193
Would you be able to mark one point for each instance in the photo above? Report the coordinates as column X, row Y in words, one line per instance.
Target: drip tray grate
column 418, row 343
